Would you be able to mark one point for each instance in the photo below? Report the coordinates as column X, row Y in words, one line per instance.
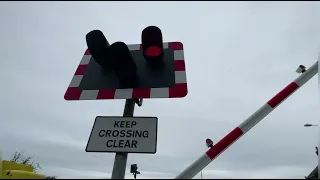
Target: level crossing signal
column 152, row 69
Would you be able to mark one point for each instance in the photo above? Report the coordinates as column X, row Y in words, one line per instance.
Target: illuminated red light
column 208, row 141
column 153, row 51
column 152, row 45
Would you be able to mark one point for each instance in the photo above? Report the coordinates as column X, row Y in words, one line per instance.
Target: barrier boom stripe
column 247, row 124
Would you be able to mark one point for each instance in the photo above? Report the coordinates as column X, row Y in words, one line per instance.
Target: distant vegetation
column 20, row 158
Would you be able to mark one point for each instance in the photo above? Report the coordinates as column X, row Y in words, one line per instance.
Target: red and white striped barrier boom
column 247, row 124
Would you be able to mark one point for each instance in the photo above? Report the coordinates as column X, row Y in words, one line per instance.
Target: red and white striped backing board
column 179, row 90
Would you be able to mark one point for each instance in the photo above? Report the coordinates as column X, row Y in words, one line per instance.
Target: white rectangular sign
column 123, row 134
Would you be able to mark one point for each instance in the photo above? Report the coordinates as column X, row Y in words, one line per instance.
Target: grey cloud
column 238, row 55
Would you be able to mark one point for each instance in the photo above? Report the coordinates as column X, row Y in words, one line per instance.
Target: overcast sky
column 238, row 56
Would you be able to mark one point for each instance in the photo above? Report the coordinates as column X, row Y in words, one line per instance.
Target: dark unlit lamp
column 119, row 55
column 116, row 56
column 98, row 46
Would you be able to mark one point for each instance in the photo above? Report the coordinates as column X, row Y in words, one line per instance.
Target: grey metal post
column 120, row 160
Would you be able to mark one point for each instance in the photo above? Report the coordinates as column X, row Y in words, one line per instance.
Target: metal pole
column 247, row 124
column 120, row 160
